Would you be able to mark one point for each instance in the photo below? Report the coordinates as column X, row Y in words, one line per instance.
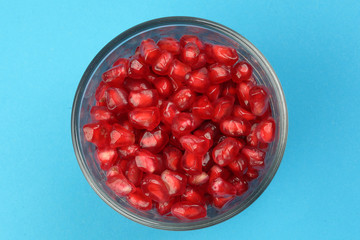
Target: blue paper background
column 314, row 48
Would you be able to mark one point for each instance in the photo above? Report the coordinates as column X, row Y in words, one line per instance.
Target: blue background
column 314, row 48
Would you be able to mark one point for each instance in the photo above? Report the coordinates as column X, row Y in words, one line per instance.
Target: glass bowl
column 124, row 45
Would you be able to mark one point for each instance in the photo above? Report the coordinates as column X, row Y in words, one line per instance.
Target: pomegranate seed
column 235, row 127
column 184, row 98
column 198, row 179
column 238, row 166
column 101, row 113
column 252, row 139
column 229, row 89
column 193, row 195
column 122, row 164
column 175, row 142
column 183, row 123
column 176, row 84
column 149, row 51
column 147, row 161
column 121, row 137
column 207, row 162
column 198, row 80
column 106, row 157
column 138, row 200
column 201, row 62
column 266, row 130
column 242, row 92
column 225, row 55
column 217, row 171
column 204, row 135
column 213, row 92
column 185, row 39
column 143, row 98
column 251, row 174
column 241, row 112
column 145, row 118
column 188, row 211
column 163, row 86
column 190, row 54
column 169, row 44
column 162, row 64
column 259, row 100
column 241, row 185
column 168, row 111
column 175, row 182
column 100, row 93
column 178, row 70
column 225, row 152
column 120, row 185
column 136, row 84
column 154, row 141
column 121, row 61
column 165, row 207
column 241, row 71
column 194, row 144
column 128, row 152
column 155, row 188
column 150, row 76
column 208, row 49
column 113, row 171
column 220, row 202
column 133, row 173
column 219, row 73
column 172, row 157
column 97, row 133
column 117, row 100
column 221, row 188
column 137, row 68
column 115, row 76
column 223, row 108
column 255, row 157
column 126, row 124
column 192, row 163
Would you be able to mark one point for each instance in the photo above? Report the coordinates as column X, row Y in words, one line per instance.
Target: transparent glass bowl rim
column 168, row 21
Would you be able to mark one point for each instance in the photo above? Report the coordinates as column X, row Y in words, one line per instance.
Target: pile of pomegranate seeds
column 179, row 126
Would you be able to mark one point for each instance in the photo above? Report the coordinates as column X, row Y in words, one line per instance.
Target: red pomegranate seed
column 223, row 108
column 208, row 49
column 178, row 70
column 229, row 89
column 266, row 130
column 241, row 71
column 185, row 39
column 123, row 61
column 163, row 86
column 126, row 124
column 169, row 44
column 240, row 184
column 201, row 62
column 120, row 185
column 117, row 100
column 193, row 195
column 192, row 163
column 225, row 152
column 113, row 171
column 213, row 92
column 133, row 173
column 168, row 111
column 145, row 118
column 147, row 161
column 204, row 134
column 183, row 123
column 175, row 182
column 241, row 112
column 198, row 179
column 143, row 98
column 225, row 55
column 174, row 141
column 162, row 64
column 165, row 207
column 176, row 84
column 252, row 139
column 238, row 166
column 259, row 100
column 219, row 73
column 235, row 127
column 220, row 202
column 137, row 68
column 172, row 157
column 217, row 171
column 115, row 76
column 207, row 162
column 194, row 144
column 255, row 157
column 122, row 164
column 242, row 92
column 138, row 200
column 101, row 113
column 106, row 157
column 121, row 137
column 190, row 54
column 251, row 174
column 136, row 84
column 154, row 140
column 149, row 51
column 221, row 188
column 155, row 188
column 188, row 211
column 97, row 133
column 183, row 98
column 128, row 152
column 198, row 80
column 100, row 94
